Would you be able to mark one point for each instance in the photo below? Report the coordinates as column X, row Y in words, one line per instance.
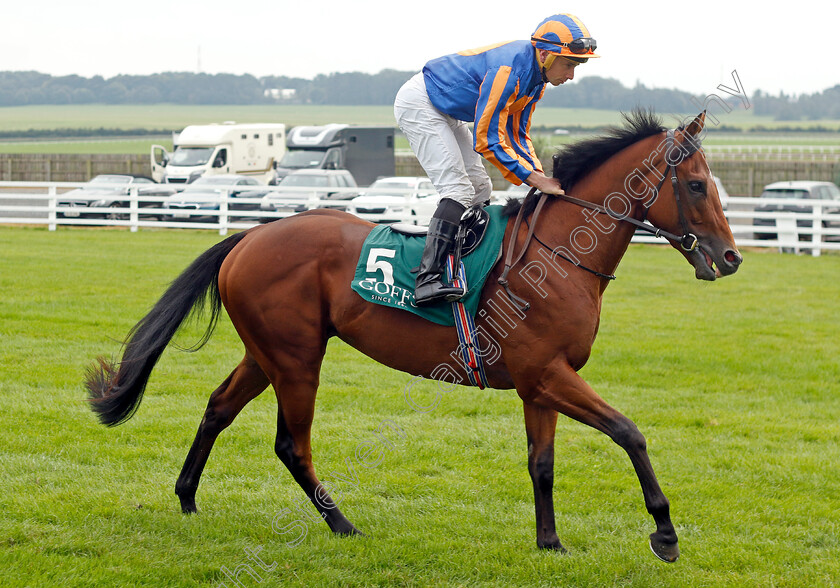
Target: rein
column 521, row 303
column 688, row 241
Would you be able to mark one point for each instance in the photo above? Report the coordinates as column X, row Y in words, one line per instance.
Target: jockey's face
column 561, row 71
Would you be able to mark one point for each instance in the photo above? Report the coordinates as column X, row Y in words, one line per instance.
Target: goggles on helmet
column 579, row 46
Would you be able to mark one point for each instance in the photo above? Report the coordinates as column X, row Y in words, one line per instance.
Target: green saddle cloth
column 383, row 274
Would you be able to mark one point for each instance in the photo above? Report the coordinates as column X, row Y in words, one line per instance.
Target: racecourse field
column 735, row 384
column 99, row 122
column 176, row 116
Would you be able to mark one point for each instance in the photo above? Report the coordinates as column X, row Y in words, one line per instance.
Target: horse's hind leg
column 245, row 383
column 296, row 409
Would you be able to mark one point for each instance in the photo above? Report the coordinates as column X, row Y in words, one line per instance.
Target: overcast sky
column 688, row 45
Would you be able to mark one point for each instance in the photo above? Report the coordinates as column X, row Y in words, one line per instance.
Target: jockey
column 496, row 88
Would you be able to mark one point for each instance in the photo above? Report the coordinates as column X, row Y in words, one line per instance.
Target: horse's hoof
column 553, row 546
column 188, row 507
column 666, row 551
column 349, row 532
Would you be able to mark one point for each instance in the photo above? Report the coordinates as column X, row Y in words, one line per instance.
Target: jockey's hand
column 544, row 184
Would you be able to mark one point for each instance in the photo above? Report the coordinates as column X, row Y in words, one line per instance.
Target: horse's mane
column 575, row 160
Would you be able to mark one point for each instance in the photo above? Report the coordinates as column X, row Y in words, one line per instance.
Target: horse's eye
column 696, row 186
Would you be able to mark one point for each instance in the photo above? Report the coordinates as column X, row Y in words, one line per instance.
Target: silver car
column 109, row 191
column 296, row 191
column 796, row 190
column 409, row 199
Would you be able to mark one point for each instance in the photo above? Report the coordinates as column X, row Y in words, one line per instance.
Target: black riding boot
column 443, row 228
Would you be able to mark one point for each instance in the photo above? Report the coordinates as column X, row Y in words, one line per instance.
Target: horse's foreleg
column 245, row 383
column 565, row 391
column 540, row 424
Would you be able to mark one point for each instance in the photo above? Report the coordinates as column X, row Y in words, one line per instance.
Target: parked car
column 202, row 196
column 296, row 189
column 109, row 191
column 396, row 198
column 795, row 190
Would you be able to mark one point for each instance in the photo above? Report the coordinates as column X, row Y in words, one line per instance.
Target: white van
column 227, row 148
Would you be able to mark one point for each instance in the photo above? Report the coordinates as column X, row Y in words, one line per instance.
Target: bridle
column 688, row 241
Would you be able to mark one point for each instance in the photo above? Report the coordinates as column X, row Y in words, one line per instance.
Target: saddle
column 383, row 273
column 474, row 223
column 471, row 231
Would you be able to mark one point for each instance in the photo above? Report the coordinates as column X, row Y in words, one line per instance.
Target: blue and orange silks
column 495, row 87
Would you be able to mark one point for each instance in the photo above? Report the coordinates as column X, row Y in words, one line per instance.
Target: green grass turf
column 176, row 116
column 735, row 384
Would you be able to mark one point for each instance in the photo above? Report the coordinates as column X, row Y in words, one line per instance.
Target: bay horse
column 286, row 287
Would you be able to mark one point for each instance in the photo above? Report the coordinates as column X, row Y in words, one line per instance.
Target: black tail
column 115, row 393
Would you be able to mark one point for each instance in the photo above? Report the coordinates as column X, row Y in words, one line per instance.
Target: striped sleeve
column 501, row 129
column 519, row 130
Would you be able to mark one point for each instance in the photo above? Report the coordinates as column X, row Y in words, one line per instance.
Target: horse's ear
column 696, row 125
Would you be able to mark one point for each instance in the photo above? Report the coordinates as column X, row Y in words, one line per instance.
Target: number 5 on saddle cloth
column 384, row 274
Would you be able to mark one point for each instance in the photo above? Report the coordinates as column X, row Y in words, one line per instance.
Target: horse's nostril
column 733, row 257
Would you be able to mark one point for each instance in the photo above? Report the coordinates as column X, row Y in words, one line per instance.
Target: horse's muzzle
column 712, row 263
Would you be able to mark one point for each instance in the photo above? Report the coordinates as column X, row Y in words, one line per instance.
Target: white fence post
column 816, row 236
column 223, row 212
column 312, row 201
column 132, row 208
column 787, row 232
column 52, row 203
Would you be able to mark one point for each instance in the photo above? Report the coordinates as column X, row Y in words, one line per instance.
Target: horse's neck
column 607, row 186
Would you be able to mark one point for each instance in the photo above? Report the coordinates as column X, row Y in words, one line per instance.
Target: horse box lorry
column 366, row 152
column 227, row 148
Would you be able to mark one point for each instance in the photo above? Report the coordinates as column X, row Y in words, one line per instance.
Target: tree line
column 356, row 88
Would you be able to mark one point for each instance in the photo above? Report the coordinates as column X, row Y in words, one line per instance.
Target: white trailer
column 227, row 148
